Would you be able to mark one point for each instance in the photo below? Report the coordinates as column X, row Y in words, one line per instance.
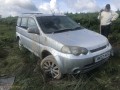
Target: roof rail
column 32, row 13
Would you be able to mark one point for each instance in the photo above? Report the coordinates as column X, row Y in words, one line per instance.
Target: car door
column 35, row 38
column 22, row 30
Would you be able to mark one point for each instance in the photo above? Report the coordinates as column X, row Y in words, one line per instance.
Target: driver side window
column 32, row 23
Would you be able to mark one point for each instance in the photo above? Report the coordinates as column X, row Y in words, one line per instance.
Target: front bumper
column 75, row 64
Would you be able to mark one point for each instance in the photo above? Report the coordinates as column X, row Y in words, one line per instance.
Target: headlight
column 74, row 50
column 66, row 49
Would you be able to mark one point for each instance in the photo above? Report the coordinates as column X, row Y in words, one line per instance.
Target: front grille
column 89, row 67
column 97, row 49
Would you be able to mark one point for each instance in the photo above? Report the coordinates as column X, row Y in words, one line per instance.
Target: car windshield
column 57, row 24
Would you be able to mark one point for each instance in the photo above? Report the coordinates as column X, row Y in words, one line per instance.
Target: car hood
column 82, row 38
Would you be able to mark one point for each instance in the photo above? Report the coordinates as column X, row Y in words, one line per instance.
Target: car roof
column 39, row 15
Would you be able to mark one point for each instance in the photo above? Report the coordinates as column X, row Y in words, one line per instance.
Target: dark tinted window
column 54, row 24
column 24, row 23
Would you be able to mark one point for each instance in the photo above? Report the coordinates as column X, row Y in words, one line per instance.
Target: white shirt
column 106, row 17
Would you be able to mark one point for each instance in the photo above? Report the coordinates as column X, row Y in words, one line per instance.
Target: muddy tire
column 50, row 67
column 20, row 45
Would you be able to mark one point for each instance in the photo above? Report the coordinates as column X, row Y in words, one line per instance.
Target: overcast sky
column 16, row 7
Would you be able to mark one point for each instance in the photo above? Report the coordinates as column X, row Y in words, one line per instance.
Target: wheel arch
column 45, row 53
column 56, row 57
column 17, row 36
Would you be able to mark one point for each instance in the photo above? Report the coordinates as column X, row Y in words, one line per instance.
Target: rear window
column 24, row 22
column 18, row 21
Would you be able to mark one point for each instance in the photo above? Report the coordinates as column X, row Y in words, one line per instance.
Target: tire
column 50, row 67
column 20, row 45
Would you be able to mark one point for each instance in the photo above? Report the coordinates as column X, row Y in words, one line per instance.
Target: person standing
column 106, row 16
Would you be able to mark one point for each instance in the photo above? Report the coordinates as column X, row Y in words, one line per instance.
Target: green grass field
column 22, row 65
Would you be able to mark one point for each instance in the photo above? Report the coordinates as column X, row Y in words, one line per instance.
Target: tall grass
column 23, row 67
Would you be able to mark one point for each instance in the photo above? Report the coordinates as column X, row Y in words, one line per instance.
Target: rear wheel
column 21, row 46
column 50, row 67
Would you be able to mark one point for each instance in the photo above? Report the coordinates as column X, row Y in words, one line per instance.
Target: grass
column 28, row 77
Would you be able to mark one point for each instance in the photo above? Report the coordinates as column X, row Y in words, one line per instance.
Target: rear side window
column 18, row 21
column 24, row 23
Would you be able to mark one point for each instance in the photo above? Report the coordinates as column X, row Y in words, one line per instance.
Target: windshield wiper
column 64, row 30
column 77, row 28
column 68, row 29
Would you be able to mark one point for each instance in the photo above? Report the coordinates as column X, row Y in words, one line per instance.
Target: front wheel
column 49, row 66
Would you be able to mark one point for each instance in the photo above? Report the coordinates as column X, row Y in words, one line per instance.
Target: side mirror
column 33, row 30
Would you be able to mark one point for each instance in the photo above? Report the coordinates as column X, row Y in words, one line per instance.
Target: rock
column 6, row 83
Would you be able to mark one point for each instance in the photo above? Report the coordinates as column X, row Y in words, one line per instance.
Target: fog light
column 76, row 71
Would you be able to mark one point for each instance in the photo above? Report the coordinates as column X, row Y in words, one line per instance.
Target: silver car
column 63, row 46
